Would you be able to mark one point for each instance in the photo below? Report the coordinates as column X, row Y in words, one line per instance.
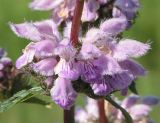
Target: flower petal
column 45, row 48
column 65, row 52
column 81, row 116
column 63, row 93
column 25, row 59
column 127, row 5
column 130, row 48
column 26, row 30
column 89, row 11
column 45, row 4
column 132, row 66
column 45, row 67
column 89, row 51
column 48, row 28
column 92, row 70
column 150, row 100
column 139, row 111
column 67, row 70
column 101, row 87
column 114, row 26
column 112, row 67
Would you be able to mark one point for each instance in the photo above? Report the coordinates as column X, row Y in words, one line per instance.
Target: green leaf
column 132, row 88
column 19, row 97
column 124, row 112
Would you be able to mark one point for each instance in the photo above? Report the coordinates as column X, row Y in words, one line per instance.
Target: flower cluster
column 63, row 10
column 100, row 59
column 5, row 71
column 138, row 107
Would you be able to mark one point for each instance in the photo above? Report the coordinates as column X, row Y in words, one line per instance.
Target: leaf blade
column 19, row 97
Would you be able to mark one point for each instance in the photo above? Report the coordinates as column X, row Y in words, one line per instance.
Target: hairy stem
column 69, row 115
column 102, row 115
column 76, row 21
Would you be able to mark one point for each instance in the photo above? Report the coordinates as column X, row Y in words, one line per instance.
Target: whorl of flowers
column 100, row 59
column 5, row 71
column 138, row 107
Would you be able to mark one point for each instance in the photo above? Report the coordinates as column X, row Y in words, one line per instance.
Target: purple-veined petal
column 45, row 4
column 130, row 101
column 89, row 51
column 120, row 81
column 132, row 66
column 130, row 48
column 65, row 52
column 109, row 83
column 48, row 28
column 67, row 70
column 25, row 59
column 63, row 93
column 101, row 87
column 26, row 30
column 45, row 67
column 92, row 69
column 45, row 48
column 112, row 67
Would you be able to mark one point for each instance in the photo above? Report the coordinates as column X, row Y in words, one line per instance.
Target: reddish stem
column 102, row 115
column 69, row 115
column 76, row 21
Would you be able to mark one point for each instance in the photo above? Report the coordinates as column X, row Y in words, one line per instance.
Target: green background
column 147, row 28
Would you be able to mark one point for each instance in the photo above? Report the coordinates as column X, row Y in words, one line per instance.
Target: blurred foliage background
column 146, row 28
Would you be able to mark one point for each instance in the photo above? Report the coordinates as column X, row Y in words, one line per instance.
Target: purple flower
column 138, row 107
column 87, row 114
column 67, row 66
column 63, row 10
column 150, row 100
column 37, row 31
column 45, row 37
column 133, row 104
column 63, row 93
column 110, row 83
column 115, row 70
column 127, row 8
